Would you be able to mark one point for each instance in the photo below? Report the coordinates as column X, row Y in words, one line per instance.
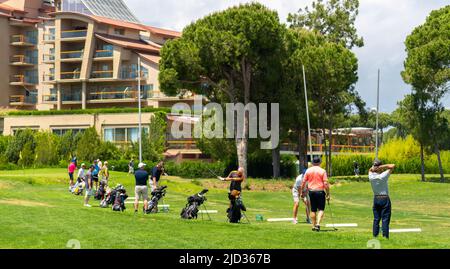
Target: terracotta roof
column 163, row 32
column 11, row 9
column 150, row 57
column 118, row 23
column 127, row 43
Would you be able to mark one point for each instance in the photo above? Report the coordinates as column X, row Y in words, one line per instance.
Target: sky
column 384, row 25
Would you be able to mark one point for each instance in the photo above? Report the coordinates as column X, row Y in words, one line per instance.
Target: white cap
column 140, row 165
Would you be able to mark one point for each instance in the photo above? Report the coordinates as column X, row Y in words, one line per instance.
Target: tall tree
column 220, row 56
column 427, row 69
column 334, row 20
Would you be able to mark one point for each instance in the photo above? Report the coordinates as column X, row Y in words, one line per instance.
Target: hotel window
column 61, row 132
column 122, row 134
column 119, row 31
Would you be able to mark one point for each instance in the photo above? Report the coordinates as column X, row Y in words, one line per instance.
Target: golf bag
column 193, row 202
column 119, row 198
column 78, row 188
column 107, row 200
column 157, row 194
column 100, row 193
column 234, row 211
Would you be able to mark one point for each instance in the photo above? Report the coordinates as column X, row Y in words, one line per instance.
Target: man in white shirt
column 378, row 177
column 296, row 193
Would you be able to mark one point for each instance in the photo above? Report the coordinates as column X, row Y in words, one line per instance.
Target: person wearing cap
column 131, row 166
column 296, row 190
column 141, row 189
column 316, row 181
column 104, row 172
column 89, row 183
column 82, row 172
column 157, row 171
column 378, row 177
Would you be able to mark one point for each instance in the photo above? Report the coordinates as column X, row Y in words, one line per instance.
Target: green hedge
column 84, row 111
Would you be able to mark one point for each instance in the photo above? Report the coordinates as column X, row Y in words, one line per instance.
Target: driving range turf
column 37, row 211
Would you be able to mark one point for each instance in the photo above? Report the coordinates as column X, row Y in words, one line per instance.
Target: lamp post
column 139, row 108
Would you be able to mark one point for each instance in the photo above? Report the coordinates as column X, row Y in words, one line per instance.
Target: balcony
column 73, row 35
column 66, row 98
column 22, row 80
column 23, row 41
column 49, row 77
column 103, row 54
column 120, row 95
column 102, row 74
column 21, row 60
column 22, row 100
column 70, row 75
column 72, row 56
column 132, row 75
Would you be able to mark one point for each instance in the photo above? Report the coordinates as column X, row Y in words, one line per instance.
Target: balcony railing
column 113, row 95
column 74, row 54
column 22, row 59
column 103, row 53
column 127, row 74
column 73, row 34
column 74, row 97
column 334, row 148
column 48, row 57
column 70, row 75
column 23, row 99
column 22, row 79
column 23, row 39
column 102, row 74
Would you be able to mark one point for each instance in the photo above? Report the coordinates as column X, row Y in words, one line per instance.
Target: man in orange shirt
column 319, row 191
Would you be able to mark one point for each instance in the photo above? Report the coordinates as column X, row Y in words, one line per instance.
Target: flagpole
column 307, row 114
column 139, row 105
column 378, row 109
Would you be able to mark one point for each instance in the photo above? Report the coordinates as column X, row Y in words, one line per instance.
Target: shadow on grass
column 437, row 180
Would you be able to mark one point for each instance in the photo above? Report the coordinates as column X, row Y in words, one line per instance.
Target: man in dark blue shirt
column 156, row 175
column 141, row 189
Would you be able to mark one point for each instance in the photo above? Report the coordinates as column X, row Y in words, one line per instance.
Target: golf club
column 331, row 215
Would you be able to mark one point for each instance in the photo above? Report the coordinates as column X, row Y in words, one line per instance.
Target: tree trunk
column 325, row 145
column 422, row 162
column 276, row 158
column 330, row 148
column 242, row 143
column 441, row 170
column 302, row 150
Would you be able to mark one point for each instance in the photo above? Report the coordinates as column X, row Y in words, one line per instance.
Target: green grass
column 37, row 211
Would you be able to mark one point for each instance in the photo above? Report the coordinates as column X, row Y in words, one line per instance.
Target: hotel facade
column 80, row 54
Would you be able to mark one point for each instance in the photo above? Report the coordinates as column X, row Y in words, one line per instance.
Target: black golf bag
column 120, row 196
column 193, row 202
column 100, row 193
column 234, row 211
column 157, row 194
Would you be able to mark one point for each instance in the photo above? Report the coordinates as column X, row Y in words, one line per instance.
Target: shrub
column 46, row 150
column 108, row 151
column 17, row 143
column 87, row 146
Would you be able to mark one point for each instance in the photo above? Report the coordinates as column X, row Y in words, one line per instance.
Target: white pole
column 378, row 109
column 307, row 114
column 139, row 101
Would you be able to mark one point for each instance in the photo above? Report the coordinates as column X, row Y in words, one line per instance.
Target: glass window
column 120, row 135
column 108, row 135
column 132, row 134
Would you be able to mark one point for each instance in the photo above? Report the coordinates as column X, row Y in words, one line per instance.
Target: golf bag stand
column 206, row 211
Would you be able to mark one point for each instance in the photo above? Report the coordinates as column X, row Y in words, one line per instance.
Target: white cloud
column 384, row 24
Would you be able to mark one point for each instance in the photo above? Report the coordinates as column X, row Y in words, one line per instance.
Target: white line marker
column 208, row 211
column 341, row 225
column 280, row 219
column 413, row 230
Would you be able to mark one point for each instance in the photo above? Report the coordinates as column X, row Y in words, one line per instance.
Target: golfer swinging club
column 319, row 191
column 236, row 178
column 378, row 177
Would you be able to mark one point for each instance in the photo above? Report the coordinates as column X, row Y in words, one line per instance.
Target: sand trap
column 23, row 203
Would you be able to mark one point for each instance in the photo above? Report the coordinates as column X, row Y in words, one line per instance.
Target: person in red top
column 71, row 169
column 319, row 191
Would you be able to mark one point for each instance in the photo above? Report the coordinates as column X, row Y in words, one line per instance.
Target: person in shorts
column 141, row 189
column 88, row 186
column 104, row 172
column 95, row 173
column 296, row 193
column 131, row 166
column 318, row 189
column 157, row 171
column 71, row 170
